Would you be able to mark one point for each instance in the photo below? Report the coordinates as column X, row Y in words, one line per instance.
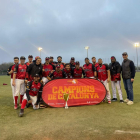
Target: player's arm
column 64, row 74
column 39, row 95
column 108, row 73
column 14, row 74
column 29, row 69
column 118, row 66
column 94, row 70
column 83, row 72
column 9, row 71
column 28, row 87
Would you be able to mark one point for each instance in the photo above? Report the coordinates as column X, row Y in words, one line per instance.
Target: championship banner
column 78, row 92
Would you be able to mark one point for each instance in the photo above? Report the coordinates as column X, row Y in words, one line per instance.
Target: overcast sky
column 65, row 27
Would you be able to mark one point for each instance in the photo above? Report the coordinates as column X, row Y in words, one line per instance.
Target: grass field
column 97, row 122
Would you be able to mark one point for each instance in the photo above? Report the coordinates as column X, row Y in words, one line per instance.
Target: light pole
column 40, row 50
column 137, row 45
column 87, row 47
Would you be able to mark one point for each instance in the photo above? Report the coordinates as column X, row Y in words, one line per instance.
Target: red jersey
column 47, row 69
column 96, row 65
column 102, row 72
column 20, row 71
column 57, row 75
column 68, row 73
column 77, row 73
column 13, row 70
column 34, row 88
column 89, row 70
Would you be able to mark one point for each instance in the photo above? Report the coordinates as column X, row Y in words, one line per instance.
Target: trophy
column 66, row 97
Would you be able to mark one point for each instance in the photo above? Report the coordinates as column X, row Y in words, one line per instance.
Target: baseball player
column 51, row 61
column 59, row 59
column 68, row 70
column 18, row 80
column 89, row 69
column 30, row 60
column 115, row 70
column 10, row 72
column 103, row 73
column 78, row 71
column 72, row 63
column 33, row 94
column 94, row 62
column 58, row 73
column 47, row 68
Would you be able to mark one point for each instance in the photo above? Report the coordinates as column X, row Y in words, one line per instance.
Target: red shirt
column 20, row 71
column 47, row 69
column 96, row 65
column 89, row 70
column 57, row 75
column 34, row 88
column 77, row 73
column 13, row 70
column 102, row 72
column 68, row 73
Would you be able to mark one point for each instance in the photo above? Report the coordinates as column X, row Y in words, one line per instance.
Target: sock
column 21, row 97
column 16, row 98
column 23, row 104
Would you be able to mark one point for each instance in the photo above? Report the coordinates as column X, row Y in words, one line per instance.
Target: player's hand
column 13, row 84
column 26, row 81
column 30, row 101
column 108, row 80
column 116, row 80
column 43, row 70
column 49, row 78
column 132, row 80
column 52, row 71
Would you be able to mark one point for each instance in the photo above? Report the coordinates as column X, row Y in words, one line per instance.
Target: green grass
column 95, row 122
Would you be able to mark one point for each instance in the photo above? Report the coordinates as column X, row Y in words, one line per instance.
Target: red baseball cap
column 37, row 57
column 47, row 58
column 57, row 66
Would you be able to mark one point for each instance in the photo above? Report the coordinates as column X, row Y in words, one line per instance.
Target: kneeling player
column 68, row 70
column 33, row 94
column 103, row 73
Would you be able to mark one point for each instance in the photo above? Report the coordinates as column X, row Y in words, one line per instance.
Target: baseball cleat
column 21, row 113
column 15, row 107
column 114, row 99
column 126, row 100
column 109, row 102
column 121, row 101
column 130, row 103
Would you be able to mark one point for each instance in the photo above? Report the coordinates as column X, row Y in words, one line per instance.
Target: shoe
column 114, row 99
column 130, row 103
column 27, row 105
column 126, row 100
column 15, row 107
column 121, row 101
column 21, row 113
column 109, row 102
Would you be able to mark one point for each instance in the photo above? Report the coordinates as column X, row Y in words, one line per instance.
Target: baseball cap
column 59, row 56
column 36, row 75
column 86, row 58
column 47, row 58
column 30, row 56
column 77, row 63
column 113, row 57
column 72, row 58
column 51, row 57
column 37, row 57
column 22, row 58
column 57, row 66
column 125, row 53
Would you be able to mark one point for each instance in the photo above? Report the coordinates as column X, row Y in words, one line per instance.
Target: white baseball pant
column 106, row 84
column 118, row 86
column 19, row 87
column 33, row 99
column 45, row 80
column 13, row 89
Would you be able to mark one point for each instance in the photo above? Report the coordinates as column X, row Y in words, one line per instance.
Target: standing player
column 115, row 70
column 47, row 68
column 89, row 69
column 34, row 68
column 18, row 80
column 10, row 72
column 51, row 61
column 72, row 63
column 30, row 60
column 33, row 94
column 59, row 59
column 94, row 62
column 104, row 76
column 68, row 70
column 58, row 73
column 77, row 72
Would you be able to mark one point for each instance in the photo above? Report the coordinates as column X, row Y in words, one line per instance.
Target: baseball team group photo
column 70, row 70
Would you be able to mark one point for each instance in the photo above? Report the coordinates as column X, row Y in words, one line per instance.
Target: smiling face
column 22, row 61
column 38, row 61
column 100, row 61
column 59, row 59
column 30, row 59
column 93, row 60
column 16, row 61
column 36, row 79
column 67, row 67
column 125, row 56
column 87, row 61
